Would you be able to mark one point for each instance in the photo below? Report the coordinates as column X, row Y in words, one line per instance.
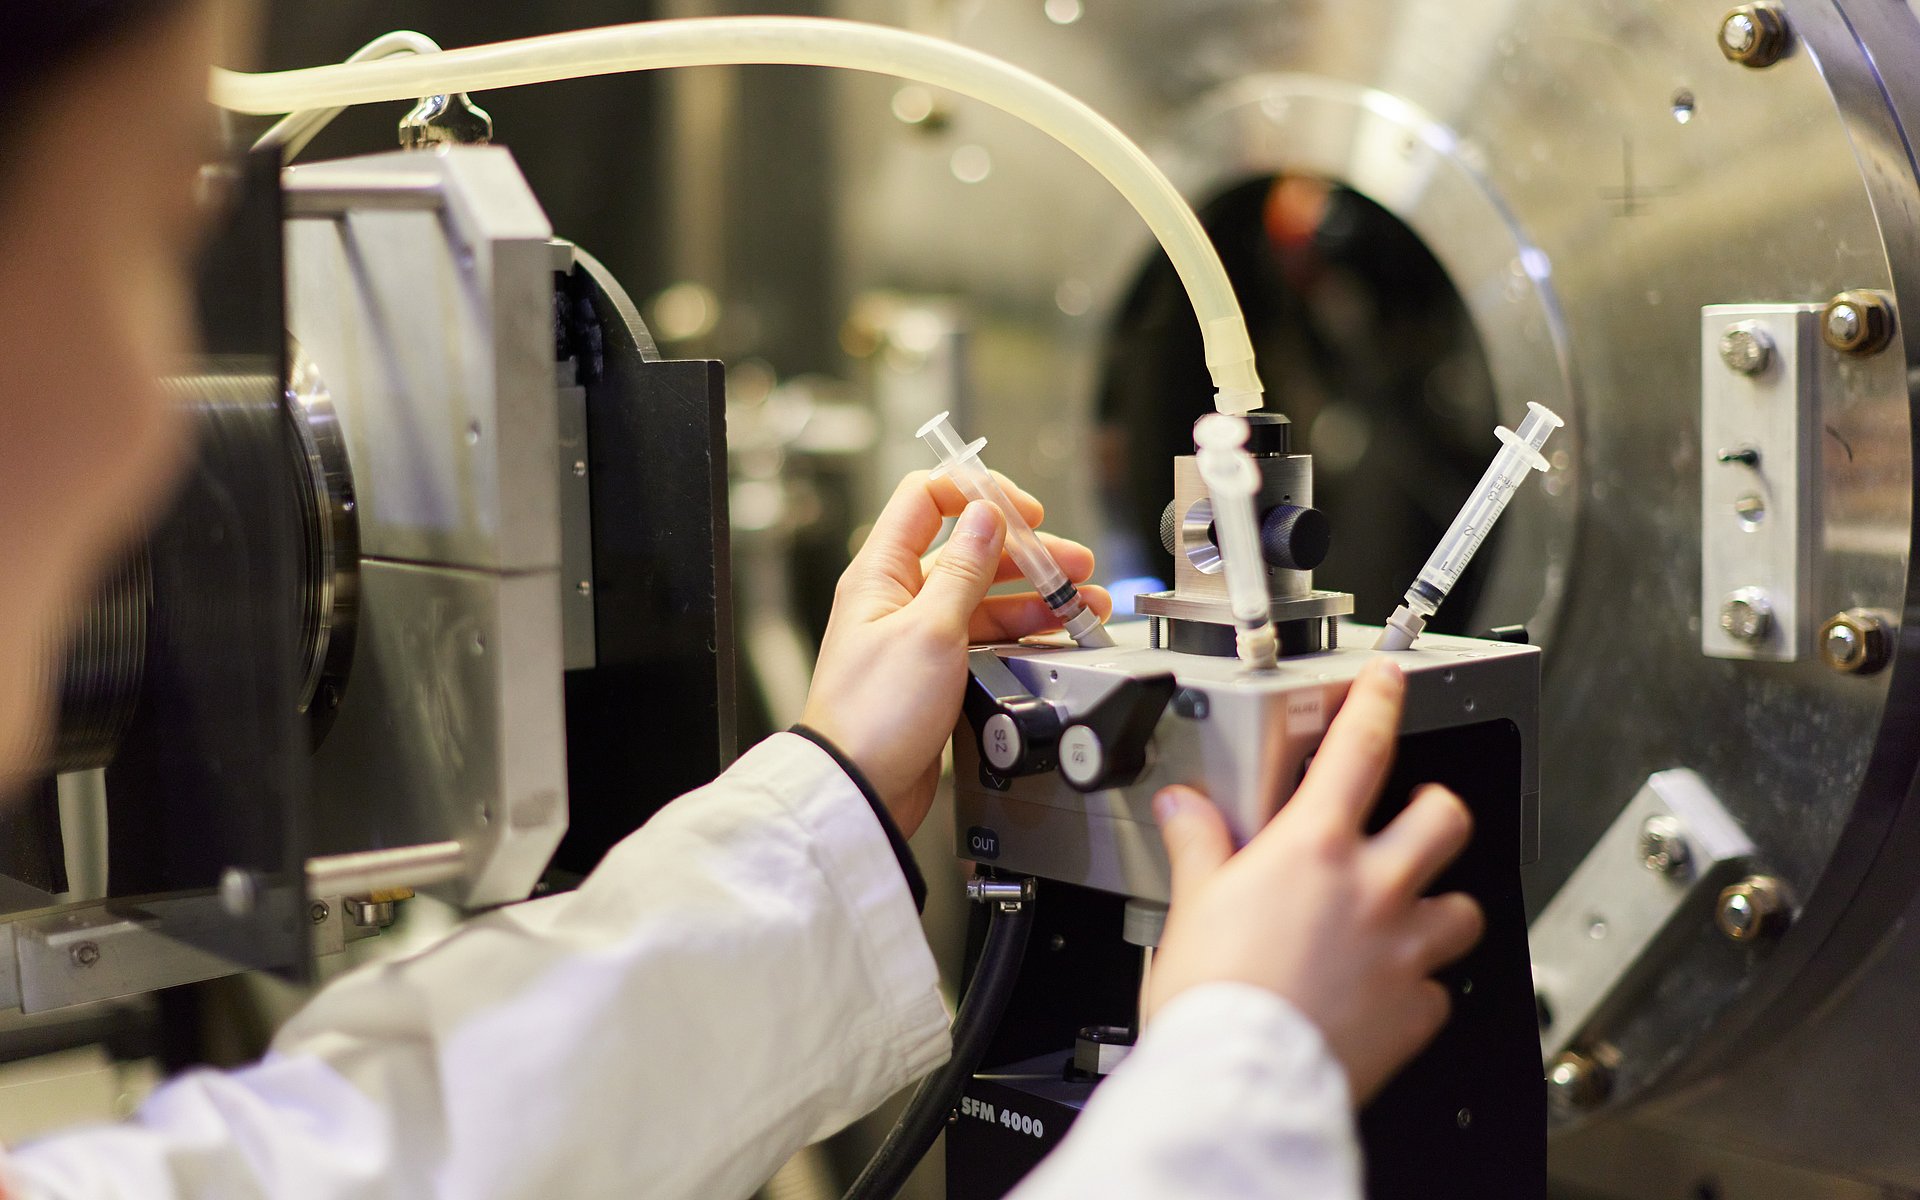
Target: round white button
column 1001, row 742
column 1082, row 757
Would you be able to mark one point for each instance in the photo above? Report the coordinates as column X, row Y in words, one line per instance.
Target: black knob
column 1293, row 538
column 1107, row 747
column 1018, row 733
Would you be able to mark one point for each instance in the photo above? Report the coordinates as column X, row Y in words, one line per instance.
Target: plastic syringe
column 961, row 460
column 1519, row 453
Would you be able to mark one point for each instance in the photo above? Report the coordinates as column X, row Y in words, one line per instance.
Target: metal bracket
column 1651, row 877
column 1758, row 425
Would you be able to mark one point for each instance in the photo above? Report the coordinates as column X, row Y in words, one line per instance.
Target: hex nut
column 1746, row 348
column 1577, row 1081
column 1754, row 35
column 1753, row 909
column 1854, row 642
column 1858, row 322
column 1747, row 616
column 1663, row 845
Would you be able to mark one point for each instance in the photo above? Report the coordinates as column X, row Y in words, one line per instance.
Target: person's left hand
column 893, row 665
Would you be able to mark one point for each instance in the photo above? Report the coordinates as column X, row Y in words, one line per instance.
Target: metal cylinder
column 96, row 677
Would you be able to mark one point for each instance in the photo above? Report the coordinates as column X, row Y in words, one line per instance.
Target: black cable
column 973, row 1029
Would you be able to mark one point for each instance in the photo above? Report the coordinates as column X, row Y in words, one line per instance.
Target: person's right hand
column 1313, row 909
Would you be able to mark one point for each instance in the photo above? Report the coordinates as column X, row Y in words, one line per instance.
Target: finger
column 1409, row 854
column 1353, row 760
column 1074, row 559
column 1010, row 618
column 960, row 577
column 909, row 523
column 951, row 499
column 1442, row 929
column 1197, row 838
column 900, row 535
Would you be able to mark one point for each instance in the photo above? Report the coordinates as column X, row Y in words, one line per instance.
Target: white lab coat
column 743, row 976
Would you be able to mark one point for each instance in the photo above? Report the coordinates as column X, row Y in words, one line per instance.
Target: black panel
column 654, row 718
column 1467, row 1119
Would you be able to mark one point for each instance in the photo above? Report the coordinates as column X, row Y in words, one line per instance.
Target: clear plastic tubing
column 292, row 132
column 961, row 460
column 805, row 41
column 1232, row 482
column 1519, row 453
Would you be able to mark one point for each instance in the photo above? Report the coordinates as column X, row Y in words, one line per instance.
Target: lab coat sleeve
column 743, row 976
column 1231, row 1094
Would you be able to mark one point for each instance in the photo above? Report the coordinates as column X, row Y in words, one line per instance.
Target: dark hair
column 39, row 37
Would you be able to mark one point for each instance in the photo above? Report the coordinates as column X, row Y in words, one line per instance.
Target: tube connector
column 1011, row 895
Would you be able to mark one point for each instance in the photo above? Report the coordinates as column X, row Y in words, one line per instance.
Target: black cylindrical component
column 1293, row 538
column 1269, row 435
column 96, row 682
column 973, row 1029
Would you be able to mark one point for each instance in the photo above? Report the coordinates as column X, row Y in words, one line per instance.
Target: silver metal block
column 1759, row 430
column 1247, row 751
column 1606, row 931
column 452, row 726
column 431, row 326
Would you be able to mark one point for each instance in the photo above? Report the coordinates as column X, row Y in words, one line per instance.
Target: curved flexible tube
column 973, row 1028
column 805, row 41
column 292, row 132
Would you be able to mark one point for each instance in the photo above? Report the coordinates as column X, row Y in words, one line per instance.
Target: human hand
column 1313, row 909
column 893, row 664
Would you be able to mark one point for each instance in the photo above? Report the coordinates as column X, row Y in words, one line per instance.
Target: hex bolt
column 1746, row 348
column 1854, row 642
column 1747, row 616
column 319, row 911
column 1663, row 845
column 1858, row 322
column 1754, row 35
column 85, row 954
column 1752, row 909
column 1577, row 1081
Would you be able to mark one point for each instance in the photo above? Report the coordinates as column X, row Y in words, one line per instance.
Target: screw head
column 1751, row 509
column 1854, row 642
column 85, row 954
column 1752, row 909
column 1858, row 322
column 1747, row 616
column 1663, row 845
column 1754, row 35
column 319, row 911
column 1746, row 348
column 1576, row 1081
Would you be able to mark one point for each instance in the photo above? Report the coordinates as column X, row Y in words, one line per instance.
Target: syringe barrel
column 1519, row 454
column 961, row 460
column 1023, row 544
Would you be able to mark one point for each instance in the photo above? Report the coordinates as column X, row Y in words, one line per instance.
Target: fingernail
column 977, row 520
column 1166, row 803
column 1386, row 670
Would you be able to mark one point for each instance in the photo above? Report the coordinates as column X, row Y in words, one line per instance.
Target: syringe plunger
column 961, row 460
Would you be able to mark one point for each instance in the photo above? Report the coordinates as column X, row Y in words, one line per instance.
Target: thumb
column 963, row 572
column 1198, row 841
